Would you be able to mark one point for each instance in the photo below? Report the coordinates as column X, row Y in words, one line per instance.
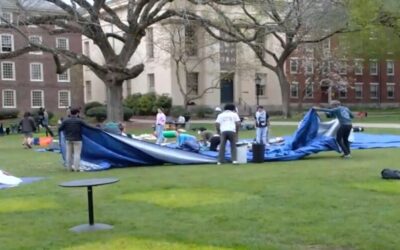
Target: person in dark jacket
column 27, row 125
column 72, row 129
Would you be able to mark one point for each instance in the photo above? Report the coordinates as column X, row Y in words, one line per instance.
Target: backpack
column 390, row 174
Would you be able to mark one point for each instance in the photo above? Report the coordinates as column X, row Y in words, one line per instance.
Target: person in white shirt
column 262, row 123
column 227, row 125
column 160, row 123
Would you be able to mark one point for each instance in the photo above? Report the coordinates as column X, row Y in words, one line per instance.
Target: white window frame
column 42, row 104
column 151, row 88
column 15, row 99
column 342, row 67
column 66, row 42
column 392, row 67
column 361, row 64
column 88, row 91
column 10, row 19
column 294, row 84
column 2, row 73
column 86, row 48
column 309, row 62
column 41, row 72
column 40, row 42
column 358, row 84
column 59, row 99
column 373, row 62
column 312, row 91
column 291, row 61
column 68, row 75
column 375, row 84
column 1, row 42
column 391, row 84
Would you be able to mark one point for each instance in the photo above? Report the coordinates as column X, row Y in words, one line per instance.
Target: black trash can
column 258, row 152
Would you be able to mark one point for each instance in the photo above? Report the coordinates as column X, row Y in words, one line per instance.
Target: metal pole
column 90, row 205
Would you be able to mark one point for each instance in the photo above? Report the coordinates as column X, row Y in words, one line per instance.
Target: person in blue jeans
column 345, row 116
column 262, row 122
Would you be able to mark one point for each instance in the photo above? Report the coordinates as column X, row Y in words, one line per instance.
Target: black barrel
column 258, row 152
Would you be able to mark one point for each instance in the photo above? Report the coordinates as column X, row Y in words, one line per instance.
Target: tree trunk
column 114, row 102
column 285, row 91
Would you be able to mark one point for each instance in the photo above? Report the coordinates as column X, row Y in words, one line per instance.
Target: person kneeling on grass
column 28, row 126
column 345, row 116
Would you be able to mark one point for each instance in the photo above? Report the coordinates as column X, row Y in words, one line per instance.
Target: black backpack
column 390, row 174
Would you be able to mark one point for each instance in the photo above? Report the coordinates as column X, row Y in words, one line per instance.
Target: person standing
column 45, row 123
column 72, row 128
column 160, row 124
column 27, row 125
column 227, row 125
column 262, row 123
column 345, row 116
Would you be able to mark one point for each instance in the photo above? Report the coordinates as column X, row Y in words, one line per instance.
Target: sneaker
column 235, row 163
column 218, row 163
column 347, row 156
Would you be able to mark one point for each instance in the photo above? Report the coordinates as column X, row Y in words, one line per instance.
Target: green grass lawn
column 320, row 202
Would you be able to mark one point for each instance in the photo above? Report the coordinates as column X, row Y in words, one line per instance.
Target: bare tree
column 188, row 47
column 88, row 19
column 291, row 23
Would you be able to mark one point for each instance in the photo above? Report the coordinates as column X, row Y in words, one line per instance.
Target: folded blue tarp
column 102, row 150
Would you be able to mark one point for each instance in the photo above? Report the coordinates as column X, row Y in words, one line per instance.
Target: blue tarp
column 102, row 150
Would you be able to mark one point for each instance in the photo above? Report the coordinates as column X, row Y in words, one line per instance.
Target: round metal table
column 89, row 183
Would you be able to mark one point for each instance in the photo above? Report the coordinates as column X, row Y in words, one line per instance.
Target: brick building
column 317, row 76
column 29, row 81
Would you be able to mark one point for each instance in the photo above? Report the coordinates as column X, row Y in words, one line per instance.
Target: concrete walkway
column 283, row 123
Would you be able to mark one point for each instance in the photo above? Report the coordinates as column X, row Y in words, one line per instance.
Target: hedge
column 9, row 114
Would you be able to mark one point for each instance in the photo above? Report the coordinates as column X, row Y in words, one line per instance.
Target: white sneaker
column 235, row 163
column 218, row 163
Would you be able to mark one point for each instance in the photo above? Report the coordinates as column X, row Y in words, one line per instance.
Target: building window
column 86, row 48
column 261, row 88
column 8, row 71
column 150, row 43
column 37, row 99
column 342, row 67
column 294, row 66
column 64, row 77
column 191, row 40
column 7, row 16
column 9, row 98
column 343, row 93
column 309, row 66
column 192, row 83
column 151, row 83
column 358, row 67
column 88, row 90
column 326, row 47
column 7, row 43
column 373, row 90
column 390, row 68
column 326, row 67
column 35, row 40
column 294, row 90
column 36, row 72
column 62, row 43
column 358, row 90
column 309, row 91
column 373, row 67
column 64, row 99
column 390, row 87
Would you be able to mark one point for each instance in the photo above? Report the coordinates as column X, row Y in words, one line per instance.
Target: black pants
column 342, row 138
column 48, row 130
column 231, row 137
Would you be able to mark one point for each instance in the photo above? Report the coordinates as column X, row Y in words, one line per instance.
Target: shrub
column 128, row 113
column 90, row 105
column 202, row 111
column 164, row 102
column 132, row 102
column 147, row 104
column 177, row 111
column 99, row 112
column 8, row 114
